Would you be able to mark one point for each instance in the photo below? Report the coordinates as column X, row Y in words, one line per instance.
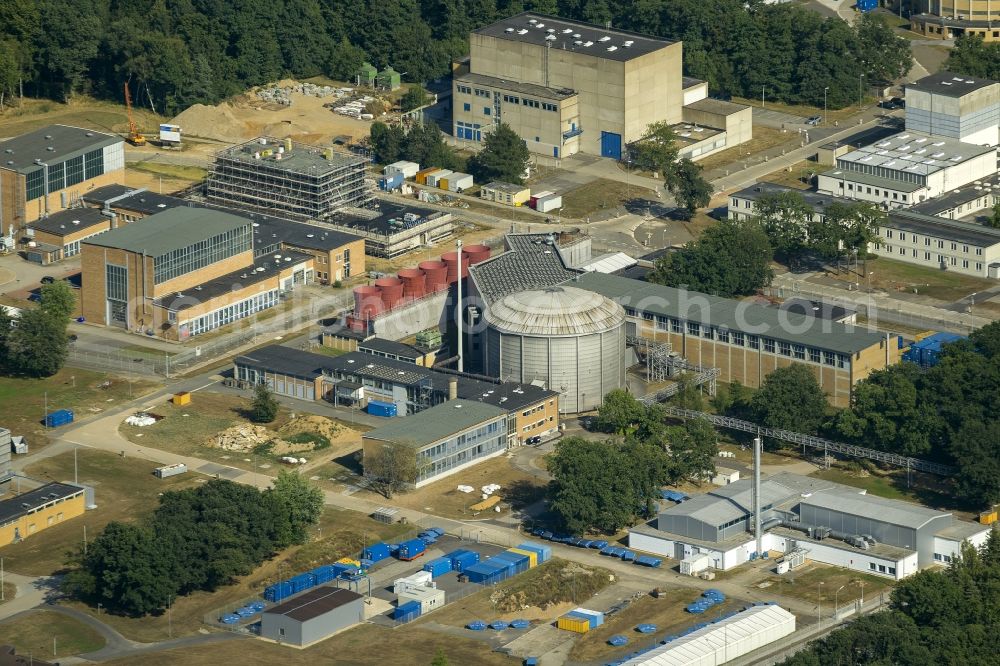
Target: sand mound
column 285, row 128
column 333, row 431
column 211, row 122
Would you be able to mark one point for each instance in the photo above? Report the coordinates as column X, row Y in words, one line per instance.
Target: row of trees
column 607, row 485
column 180, row 53
column 733, row 258
column 197, row 539
column 423, row 144
column 974, row 57
column 935, row 617
column 35, row 342
column 945, row 413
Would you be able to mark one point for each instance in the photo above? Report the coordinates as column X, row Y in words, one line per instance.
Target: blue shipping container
column 408, row 611
column 303, row 582
column 279, row 591
column 376, row 552
column 60, row 417
column 463, row 560
column 379, row 408
column 412, row 549
column 867, row 5
column 544, row 552
column 325, row 573
column 438, row 567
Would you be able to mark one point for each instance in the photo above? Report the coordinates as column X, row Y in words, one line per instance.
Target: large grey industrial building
column 962, row 107
column 832, row 523
column 566, row 87
column 312, row 616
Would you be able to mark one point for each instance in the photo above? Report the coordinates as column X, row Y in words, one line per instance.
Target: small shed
column 408, row 169
column 367, row 74
column 505, row 193
column 429, row 598
column 387, row 79
column 434, row 179
column 724, row 476
column 312, row 616
column 456, row 182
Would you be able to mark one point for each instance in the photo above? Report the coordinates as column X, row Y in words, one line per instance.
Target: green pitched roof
column 173, row 229
column 437, row 423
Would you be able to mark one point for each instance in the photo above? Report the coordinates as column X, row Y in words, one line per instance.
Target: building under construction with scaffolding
column 294, row 178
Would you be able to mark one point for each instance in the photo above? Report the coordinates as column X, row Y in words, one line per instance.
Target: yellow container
column 487, row 503
column 532, row 556
column 988, row 517
column 573, row 624
column 347, row 560
column 182, row 398
column 443, row 184
column 421, row 176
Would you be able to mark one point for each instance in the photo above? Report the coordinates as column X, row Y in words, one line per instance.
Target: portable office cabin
column 408, row 169
column 548, row 203
column 421, row 176
column 432, row 179
column 457, row 182
column 429, row 598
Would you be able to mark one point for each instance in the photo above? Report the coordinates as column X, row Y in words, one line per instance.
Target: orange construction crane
column 134, row 137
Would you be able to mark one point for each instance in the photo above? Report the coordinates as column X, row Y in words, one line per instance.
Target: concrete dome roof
column 555, row 311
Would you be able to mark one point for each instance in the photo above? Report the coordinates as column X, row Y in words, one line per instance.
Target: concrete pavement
column 31, row 591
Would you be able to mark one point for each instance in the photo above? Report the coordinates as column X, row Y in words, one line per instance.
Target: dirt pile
column 241, row 438
column 212, row 122
column 300, row 435
column 336, row 432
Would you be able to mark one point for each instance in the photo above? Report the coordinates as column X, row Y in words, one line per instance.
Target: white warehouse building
column 832, row 523
column 907, row 168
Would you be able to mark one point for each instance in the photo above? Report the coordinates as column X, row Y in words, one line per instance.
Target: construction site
column 290, row 177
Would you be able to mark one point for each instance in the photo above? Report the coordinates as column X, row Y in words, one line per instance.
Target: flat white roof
column 914, row 152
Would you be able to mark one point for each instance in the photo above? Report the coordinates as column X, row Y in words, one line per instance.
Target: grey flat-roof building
column 961, row 107
column 444, row 439
column 312, row 616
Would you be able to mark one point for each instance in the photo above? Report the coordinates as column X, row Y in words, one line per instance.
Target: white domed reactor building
column 570, row 339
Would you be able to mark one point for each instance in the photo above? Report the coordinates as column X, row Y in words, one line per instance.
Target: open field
column 794, row 175
column 22, row 400
column 39, row 632
column 442, row 498
column 891, row 275
column 667, row 613
column 341, row 533
column 81, row 111
column 123, row 490
column 804, row 110
column 9, row 591
column 600, row 195
column 804, row 583
column 366, row 645
column 764, row 138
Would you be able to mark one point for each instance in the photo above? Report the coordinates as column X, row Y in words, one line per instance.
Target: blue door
column 611, row 145
column 555, row 151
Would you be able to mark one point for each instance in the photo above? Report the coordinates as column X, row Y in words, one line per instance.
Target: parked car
column 814, row 120
column 534, row 441
column 48, row 279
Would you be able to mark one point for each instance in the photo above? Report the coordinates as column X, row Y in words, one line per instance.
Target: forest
column 180, row 52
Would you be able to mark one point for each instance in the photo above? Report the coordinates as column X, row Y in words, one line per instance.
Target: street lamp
column 825, row 90
column 836, row 607
column 862, row 584
column 860, row 76
column 819, row 603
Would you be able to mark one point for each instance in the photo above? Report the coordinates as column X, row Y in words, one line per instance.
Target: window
column 738, row 338
column 202, row 253
column 510, row 99
column 914, row 254
column 871, row 565
column 965, row 263
column 927, row 256
column 723, row 335
column 784, row 348
column 927, row 241
column 465, row 89
column 940, row 244
column 74, row 171
column 979, row 266
column 467, row 107
column 753, row 342
column 841, row 361
column 954, row 246
column 708, row 332
column 93, row 164
column 902, row 251
column 829, row 358
column 116, row 282
column 487, row 111
column 892, row 571
column 662, row 323
column 979, row 251
column 693, row 328
column 888, row 233
column 769, row 345
column 57, row 176
column 814, row 355
column 965, row 249
column 533, row 103
column 71, row 249
column 34, row 184
column 675, row 325
column 549, row 107
column 799, row 351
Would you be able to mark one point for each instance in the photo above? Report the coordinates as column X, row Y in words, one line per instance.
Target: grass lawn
column 9, row 592
column 667, row 613
column 81, row 111
column 804, row 583
column 795, row 175
column 123, row 490
column 764, row 138
column 173, row 171
column 600, row 195
column 22, row 401
column 329, row 351
column 442, row 498
column 35, row 633
column 803, row 110
column 341, row 533
column 891, row 275
column 365, row 645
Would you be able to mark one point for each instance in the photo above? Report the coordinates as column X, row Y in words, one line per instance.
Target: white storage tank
column 570, row 339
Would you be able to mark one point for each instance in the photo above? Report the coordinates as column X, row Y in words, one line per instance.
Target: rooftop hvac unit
column 605, row 38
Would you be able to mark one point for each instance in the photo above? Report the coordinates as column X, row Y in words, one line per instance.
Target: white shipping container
column 459, row 181
column 429, row 598
column 170, row 133
column 548, row 203
column 690, row 566
column 434, row 177
column 170, row 470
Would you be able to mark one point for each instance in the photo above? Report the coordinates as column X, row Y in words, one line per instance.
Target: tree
column 730, row 259
column 302, row 501
column 790, row 398
column 689, row 188
column 783, row 216
column 885, row 53
column 38, row 346
column 618, row 412
column 693, row 449
column 994, row 219
column 504, row 157
column 264, row 407
column 439, row 658
column 414, row 98
column 974, row 57
column 345, row 61
column 391, row 468
column 657, row 149
column 387, row 142
column 58, row 299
